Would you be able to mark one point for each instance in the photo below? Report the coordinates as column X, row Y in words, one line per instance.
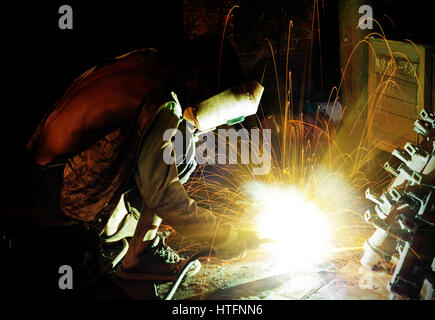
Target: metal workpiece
column 424, row 125
column 378, row 249
column 414, row 157
column 404, row 217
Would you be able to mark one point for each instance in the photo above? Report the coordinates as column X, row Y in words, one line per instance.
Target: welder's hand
column 232, row 243
column 250, row 237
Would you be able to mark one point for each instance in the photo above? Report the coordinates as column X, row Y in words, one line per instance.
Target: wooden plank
column 398, row 49
column 399, row 105
column 394, row 126
column 379, row 139
column 396, row 88
column 388, row 138
column 409, row 64
column 400, row 68
column 396, row 106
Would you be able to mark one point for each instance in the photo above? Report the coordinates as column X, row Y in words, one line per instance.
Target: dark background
column 40, row 60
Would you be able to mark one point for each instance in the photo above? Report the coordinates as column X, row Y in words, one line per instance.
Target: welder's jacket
column 101, row 126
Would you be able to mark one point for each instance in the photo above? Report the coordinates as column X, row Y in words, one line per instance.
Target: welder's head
column 209, row 85
column 205, row 66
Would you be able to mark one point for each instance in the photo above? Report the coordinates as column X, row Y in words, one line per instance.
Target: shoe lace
column 165, row 252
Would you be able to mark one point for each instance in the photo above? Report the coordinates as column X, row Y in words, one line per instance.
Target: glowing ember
column 298, row 227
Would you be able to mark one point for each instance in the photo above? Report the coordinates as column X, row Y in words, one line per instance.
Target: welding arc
column 266, row 240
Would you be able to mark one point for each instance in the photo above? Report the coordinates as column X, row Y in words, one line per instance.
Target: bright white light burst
column 298, row 227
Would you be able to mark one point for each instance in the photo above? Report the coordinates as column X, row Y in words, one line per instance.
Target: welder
column 104, row 138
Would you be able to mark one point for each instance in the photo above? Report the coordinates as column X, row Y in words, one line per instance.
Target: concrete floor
column 256, row 277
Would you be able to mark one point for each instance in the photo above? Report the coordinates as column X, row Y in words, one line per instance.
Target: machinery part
column 180, row 278
column 412, row 269
column 228, row 107
column 404, row 217
column 378, row 249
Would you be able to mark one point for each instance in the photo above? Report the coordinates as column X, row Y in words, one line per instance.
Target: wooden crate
column 399, row 85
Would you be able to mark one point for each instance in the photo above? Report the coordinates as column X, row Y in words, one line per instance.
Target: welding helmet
column 228, row 107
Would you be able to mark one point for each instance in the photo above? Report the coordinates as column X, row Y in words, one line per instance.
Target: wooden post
column 354, row 86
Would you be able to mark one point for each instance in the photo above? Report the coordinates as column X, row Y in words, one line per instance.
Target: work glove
column 233, row 243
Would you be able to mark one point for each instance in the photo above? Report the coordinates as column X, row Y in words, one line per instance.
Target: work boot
column 158, row 262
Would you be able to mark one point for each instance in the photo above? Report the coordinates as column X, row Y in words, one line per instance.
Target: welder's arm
column 162, row 190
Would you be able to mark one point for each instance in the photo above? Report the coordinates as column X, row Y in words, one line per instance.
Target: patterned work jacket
column 97, row 124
